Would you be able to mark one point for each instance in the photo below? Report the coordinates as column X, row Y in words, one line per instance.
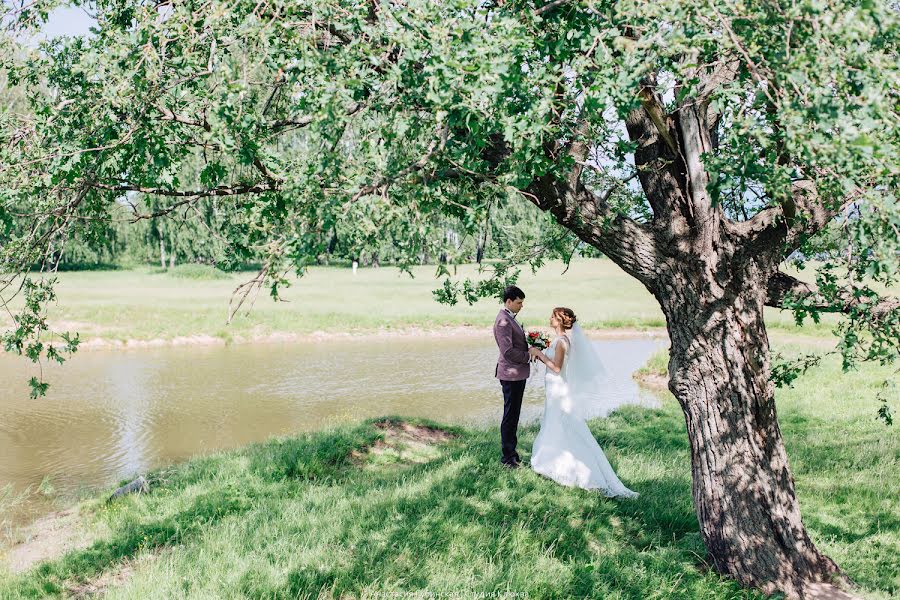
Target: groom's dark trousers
column 513, row 368
column 512, row 406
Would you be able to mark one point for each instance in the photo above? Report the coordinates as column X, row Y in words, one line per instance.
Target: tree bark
column 332, row 244
column 743, row 488
column 481, row 244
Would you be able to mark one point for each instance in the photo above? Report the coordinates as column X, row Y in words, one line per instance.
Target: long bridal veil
column 565, row 449
column 592, row 391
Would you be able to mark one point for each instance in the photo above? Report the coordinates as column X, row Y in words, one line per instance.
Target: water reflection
column 110, row 415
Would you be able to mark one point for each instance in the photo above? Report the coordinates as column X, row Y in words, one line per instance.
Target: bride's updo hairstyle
column 565, row 316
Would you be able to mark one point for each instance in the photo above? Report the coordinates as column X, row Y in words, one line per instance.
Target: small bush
column 657, row 364
column 85, row 266
column 200, row 272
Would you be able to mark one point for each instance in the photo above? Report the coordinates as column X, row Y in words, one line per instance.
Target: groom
column 512, row 370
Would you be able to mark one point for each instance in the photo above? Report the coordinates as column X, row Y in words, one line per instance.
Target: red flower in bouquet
column 538, row 339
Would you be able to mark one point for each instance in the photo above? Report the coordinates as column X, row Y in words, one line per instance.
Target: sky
column 67, row 21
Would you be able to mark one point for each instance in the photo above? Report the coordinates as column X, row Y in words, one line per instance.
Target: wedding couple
column 565, row 449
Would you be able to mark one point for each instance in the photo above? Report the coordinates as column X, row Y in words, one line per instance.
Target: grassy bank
column 149, row 304
column 352, row 512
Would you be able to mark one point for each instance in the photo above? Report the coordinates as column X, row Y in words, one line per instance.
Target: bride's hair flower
column 538, row 339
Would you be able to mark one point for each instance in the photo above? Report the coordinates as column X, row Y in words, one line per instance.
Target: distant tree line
column 208, row 233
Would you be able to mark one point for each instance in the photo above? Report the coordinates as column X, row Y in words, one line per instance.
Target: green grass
column 296, row 517
column 150, row 303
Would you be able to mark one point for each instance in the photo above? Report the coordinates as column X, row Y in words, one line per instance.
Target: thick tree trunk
column 742, row 486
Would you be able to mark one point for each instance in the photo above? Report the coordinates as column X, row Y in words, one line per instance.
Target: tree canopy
column 297, row 118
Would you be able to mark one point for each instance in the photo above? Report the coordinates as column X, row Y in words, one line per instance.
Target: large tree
column 696, row 144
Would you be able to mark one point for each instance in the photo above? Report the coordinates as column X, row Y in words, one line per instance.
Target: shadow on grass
column 80, row 566
column 457, row 523
column 463, row 507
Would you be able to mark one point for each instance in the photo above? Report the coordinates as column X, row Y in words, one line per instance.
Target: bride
column 565, row 449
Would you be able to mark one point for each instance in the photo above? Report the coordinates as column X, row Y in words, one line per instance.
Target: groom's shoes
column 513, row 464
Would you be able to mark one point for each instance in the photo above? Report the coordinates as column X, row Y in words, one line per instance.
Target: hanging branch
column 245, row 289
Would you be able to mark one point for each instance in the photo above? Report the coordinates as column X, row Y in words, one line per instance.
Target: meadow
column 151, row 304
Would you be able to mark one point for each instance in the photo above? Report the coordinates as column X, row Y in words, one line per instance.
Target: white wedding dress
column 565, row 449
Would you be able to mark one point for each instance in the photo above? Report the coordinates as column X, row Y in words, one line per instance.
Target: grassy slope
column 291, row 517
column 144, row 304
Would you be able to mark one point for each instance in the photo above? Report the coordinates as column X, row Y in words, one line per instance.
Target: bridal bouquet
column 538, row 339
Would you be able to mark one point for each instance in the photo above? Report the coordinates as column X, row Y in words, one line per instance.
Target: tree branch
column 308, row 119
column 222, row 190
column 589, row 216
column 628, row 243
column 436, row 145
column 548, row 7
column 782, row 287
column 754, row 68
column 168, row 115
column 725, row 70
column 657, row 165
column 264, row 171
column 658, row 116
column 782, row 228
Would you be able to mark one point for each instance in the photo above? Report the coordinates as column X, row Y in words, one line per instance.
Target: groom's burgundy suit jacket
column 513, row 364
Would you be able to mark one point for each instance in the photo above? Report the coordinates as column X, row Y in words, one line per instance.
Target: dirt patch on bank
column 48, row 538
column 408, row 432
column 99, row 343
column 114, row 577
column 652, row 381
column 261, row 337
column 403, row 443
